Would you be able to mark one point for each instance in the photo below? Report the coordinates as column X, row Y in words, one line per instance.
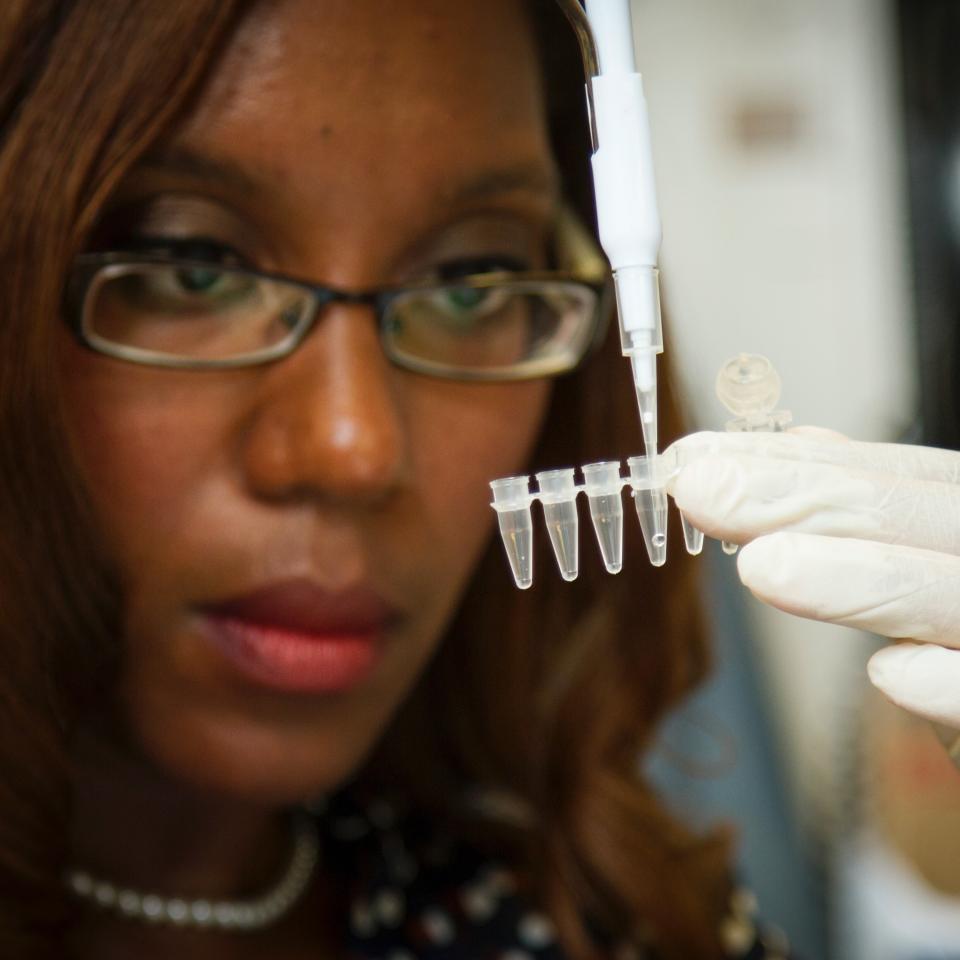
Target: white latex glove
column 861, row 534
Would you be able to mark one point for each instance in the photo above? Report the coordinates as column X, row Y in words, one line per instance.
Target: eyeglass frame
column 588, row 268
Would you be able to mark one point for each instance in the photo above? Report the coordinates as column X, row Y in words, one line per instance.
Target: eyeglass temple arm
column 574, row 12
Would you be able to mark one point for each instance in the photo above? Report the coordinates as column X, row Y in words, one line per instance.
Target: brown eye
column 463, row 307
column 199, row 279
column 187, row 289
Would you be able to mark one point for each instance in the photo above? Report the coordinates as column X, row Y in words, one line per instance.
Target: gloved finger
column 921, row 678
column 819, row 433
column 921, row 463
column 738, row 498
column 895, row 591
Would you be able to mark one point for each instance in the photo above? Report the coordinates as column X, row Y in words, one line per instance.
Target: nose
column 328, row 420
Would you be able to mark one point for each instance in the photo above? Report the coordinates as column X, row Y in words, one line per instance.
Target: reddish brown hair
column 551, row 694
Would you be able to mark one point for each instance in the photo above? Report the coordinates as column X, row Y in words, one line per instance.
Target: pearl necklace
column 233, row 915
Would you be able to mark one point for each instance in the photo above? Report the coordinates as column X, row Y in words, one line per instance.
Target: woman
column 247, row 566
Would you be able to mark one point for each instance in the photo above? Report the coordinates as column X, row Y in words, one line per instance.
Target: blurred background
column 807, row 175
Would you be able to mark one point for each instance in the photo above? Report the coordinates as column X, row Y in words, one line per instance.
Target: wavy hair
column 550, row 695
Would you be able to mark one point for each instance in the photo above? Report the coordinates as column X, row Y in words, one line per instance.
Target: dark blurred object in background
column 930, row 38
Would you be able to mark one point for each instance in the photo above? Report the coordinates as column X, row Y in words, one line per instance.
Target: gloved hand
column 861, row 534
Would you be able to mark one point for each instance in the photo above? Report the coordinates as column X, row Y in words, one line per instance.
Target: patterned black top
column 414, row 893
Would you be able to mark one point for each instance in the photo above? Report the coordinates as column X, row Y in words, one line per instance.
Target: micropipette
column 627, row 212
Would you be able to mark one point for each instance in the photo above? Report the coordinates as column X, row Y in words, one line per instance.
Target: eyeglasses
column 187, row 314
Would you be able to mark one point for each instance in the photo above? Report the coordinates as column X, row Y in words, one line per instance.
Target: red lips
column 294, row 635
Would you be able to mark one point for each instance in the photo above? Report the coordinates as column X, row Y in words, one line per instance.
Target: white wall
column 791, row 244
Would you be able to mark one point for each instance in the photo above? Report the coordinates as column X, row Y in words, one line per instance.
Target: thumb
column 922, row 678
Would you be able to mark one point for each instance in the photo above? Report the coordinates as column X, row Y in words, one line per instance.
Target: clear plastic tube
column 511, row 500
column 650, row 498
column 603, row 485
column 558, row 496
column 692, row 537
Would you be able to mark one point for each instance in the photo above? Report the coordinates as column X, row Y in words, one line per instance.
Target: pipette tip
column 647, row 405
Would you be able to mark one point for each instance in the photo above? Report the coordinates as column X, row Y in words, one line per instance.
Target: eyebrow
column 184, row 162
column 534, row 178
column 529, row 177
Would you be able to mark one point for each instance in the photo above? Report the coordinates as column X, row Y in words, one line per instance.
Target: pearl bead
column 178, row 911
column 152, row 907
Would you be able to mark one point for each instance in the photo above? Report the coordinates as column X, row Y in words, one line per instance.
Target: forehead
column 383, row 90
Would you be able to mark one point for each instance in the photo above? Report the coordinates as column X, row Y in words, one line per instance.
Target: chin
column 260, row 764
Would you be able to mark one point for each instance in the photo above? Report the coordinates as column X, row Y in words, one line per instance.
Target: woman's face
column 293, row 538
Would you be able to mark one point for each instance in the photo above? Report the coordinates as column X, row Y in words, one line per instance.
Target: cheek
column 146, row 450
column 470, row 434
